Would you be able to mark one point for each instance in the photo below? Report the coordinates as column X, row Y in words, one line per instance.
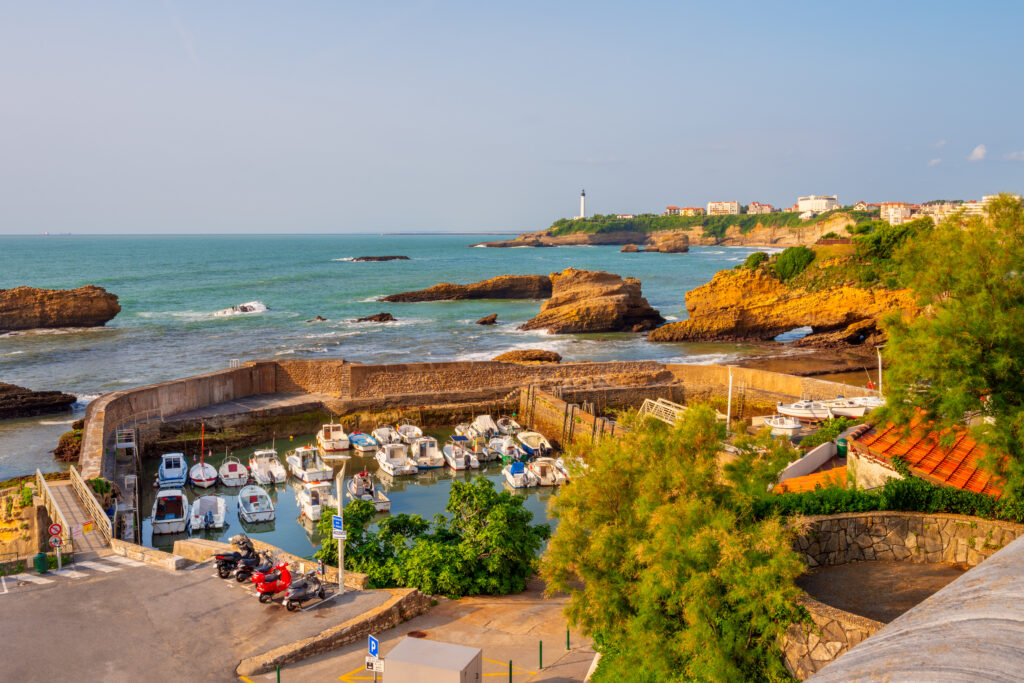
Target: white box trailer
column 417, row 660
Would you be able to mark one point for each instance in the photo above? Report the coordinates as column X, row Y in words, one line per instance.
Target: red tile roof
column 958, row 466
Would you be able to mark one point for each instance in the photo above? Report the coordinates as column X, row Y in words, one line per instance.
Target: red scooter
column 277, row 581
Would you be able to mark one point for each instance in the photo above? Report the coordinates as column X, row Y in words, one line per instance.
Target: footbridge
column 85, row 527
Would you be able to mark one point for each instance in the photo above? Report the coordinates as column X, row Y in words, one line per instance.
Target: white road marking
column 30, row 578
column 69, row 573
column 4, row 582
column 98, row 566
column 123, row 560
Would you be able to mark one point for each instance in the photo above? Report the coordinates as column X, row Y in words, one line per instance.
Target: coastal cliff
column 594, row 301
column 27, row 308
column 18, row 401
column 502, row 287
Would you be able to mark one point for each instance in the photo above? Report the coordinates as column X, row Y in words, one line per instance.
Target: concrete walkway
column 249, row 404
column 89, row 544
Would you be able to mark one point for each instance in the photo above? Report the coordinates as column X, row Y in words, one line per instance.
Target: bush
column 26, row 497
column 830, row 236
column 755, row 260
column 792, row 262
column 881, row 242
column 828, row 431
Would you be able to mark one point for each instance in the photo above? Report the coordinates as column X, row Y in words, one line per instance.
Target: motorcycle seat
column 272, row 578
column 301, row 583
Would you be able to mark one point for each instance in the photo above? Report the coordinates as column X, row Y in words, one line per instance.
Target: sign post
column 374, row 662
column 338, row 526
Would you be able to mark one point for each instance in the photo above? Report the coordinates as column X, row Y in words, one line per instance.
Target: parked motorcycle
column 276, row 581
column 304, row 589
column 228, row 562
column 250, row 566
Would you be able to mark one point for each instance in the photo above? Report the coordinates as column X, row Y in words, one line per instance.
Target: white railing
column 92, row 507
column 56, row 514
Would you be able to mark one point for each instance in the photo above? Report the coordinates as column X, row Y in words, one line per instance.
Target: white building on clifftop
column 817, row 203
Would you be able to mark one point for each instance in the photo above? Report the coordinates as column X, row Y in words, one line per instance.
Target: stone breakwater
column 29, row 308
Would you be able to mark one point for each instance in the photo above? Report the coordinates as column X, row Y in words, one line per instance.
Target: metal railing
column 56, row 514
column 91, row 505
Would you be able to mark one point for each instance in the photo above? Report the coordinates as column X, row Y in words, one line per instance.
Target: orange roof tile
column 833, row 477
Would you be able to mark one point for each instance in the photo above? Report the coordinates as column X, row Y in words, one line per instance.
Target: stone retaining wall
column 832, row 632
column 150, row 556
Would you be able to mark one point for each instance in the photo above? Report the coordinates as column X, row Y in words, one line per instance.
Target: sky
column 335, row 117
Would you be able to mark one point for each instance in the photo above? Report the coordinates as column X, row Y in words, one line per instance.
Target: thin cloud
column 978, row 153
column 940, row 144
column 183, row 34
column 934, row 162
column 1014, row 156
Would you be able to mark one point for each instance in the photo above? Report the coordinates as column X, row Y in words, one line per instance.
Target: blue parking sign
column 374, row 646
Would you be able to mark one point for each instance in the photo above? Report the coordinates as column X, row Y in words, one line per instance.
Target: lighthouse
column 583, row 204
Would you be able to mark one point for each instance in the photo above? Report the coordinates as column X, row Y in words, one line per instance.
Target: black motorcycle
column 249, row 565
column 304, row 589
column 227, row 562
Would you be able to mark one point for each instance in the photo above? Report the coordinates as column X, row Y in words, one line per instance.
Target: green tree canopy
column 792, row 261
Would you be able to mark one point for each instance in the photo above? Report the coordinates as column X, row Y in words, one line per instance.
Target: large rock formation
column 18, row 401
column 529, row 356
column 543, row 239
column 502, row 287
column 360, row 259
column 27, row 308
column 752, row 305
column 668, row 242
column 594, row 301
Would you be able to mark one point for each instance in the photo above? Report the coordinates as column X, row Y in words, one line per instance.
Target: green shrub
column 880, row 243
column 755, row 260
column 828, row 431
column 830, row 236
column 26, row 496
column 792, row 262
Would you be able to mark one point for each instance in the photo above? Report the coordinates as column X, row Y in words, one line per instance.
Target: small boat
column 807, row 410
column 508, row 426
column 506, row 449
column 781, row 425
column 173, row 471
column 266, row 468
column 869, row 402
column 457, row 454
column 462, row 429
column 306, row 465
column 563, row 470
column 385, row 434
column 360, row 487
column 518, row 477
column 312, row 497
column 203, row 474
column 393, row 459
column 170, row 512
column 255, row 505
column 409, row 432
column 483, row 426
column 208, row 512
column 233, row 472
column 546, row 472
column 363, row 442
column 534, row 443
column 844, row 407
column 425, row 452
column 332, row 439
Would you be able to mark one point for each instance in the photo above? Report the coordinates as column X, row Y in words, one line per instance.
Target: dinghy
column 332, row 439
column 546, row 472
column 782, row 425
column 207, row 512
column 312, row 497
column 360, row 487
column 266, row 468
column 393, row 459
column 508, row 426
column 518, row 477
column 805, row 410
column 255, row 505
column 534, row 444
column 170, row 512
column 385, row 434
column 426, row 454
column 233, row 472
column 203, row 474
column 457, row 454
column 363, row 442
column 409, row 432
column 306, row 465
column 173, row 471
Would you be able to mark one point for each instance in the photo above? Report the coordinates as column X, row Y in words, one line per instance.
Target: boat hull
column 176, row 526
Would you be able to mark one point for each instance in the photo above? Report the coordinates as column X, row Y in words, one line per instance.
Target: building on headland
column 625, row 215
column 671, row 211
column 691, row 211
column 865, row 206
column 723, row 208
column 759, row 208
column 817, row 203
column 895, row 213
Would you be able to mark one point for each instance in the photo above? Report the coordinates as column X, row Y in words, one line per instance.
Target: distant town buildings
column 625, row 215
column 671, row 210
column 691, row 211
column 817, row 203
column 759, row 208
column 723, row 208
column 864, row 206
column 895, row 213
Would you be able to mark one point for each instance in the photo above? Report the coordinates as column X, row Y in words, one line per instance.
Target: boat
column 462, row 429
column 563, row 470
column 806, row 410
column 506, row 449
column 483, row 426
column 207, row 512
column 844, row 407
column 393, row 459
column 425, row 452
column 782, row 425
column 255, row 505
column 173, row 471
column 233, row 472
column 508, row 425
column 518, row 477
column 266, row 468
column 306, row 465
column 385, row 434
column 311, row 498
column 534, row 443
column 332, row 439
column 546, row 472
column 363, row 442
column 408, row 432
column 457, row 454
column 170, row 512
column 203, row 474
column 360, row 487
column 869, row 402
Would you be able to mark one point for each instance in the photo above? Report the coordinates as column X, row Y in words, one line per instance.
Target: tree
column 658, row 542
column 965, row 353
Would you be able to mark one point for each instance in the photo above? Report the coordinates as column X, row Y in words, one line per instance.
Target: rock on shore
column 491, row 319
column 543, row 239
column 529, row 356
column 753, row 305
column 502, row 287
column 28, row 308
column 594, row 301
column 376, row 318
column 668, row 242
column 18, row 401
column 360, row 259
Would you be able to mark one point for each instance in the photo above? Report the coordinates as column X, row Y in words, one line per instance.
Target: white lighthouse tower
column 583, row 204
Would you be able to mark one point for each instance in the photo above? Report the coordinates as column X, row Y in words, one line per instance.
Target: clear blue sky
column 178, row 116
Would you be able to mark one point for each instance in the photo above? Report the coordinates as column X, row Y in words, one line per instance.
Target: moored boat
column 483, row 426
column 207, row 512
column 517, row 476
column 306, row 464
column 425, row 452
column 266, row 468
column 332, row 439
column 869, row 402
column 363, row 442
column 385, row 434
column 534, row 444
column 173, row 471
column 360, row 487
column 170, row 512
column 409, row 432
column 203, row 474
column 255, row 505
column 805, row 410
column 312, row 497
column 457, row 454
column 233, row 472
column 506, row 449
column 546, row 472
column 782, row 425
column 394, row 460
column 507, row 425
column 844, row 407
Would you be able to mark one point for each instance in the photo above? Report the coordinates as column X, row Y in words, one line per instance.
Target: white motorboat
column 363, row 443
column 360, row 487
column 306, row 465
column 312, row 497
column 805, row 410
column 505, row 448
column 173, row 471
column 462, row 429
column 170, row 512
column 255, row 505
column 518, row 477
column 844, row 407
column 534, row 443
column 426, row 453
column 782, row 425
column 332, row 439
column 508, row 425
column 386, row 434
column 409, row 432
column 266, row 468
column 546, row 472
column 869, row 402
column 394, row 460
column 563, row 470
column 483, row 426
column 208, row 512
column 457, row 454
column 233, row 472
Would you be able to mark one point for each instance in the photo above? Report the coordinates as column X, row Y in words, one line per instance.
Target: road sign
column 375, row 664
column 55, row 529
column 55, row 542
column 374, row 646
column 87, row 527
column 337, row 528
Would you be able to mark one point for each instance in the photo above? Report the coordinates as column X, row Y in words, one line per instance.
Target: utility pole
column 339, row 486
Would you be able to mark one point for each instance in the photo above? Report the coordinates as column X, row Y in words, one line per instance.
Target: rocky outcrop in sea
column 29, row 308
column 502, row 287
column 18, row 401
column 529, row 356
column 594, row 301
